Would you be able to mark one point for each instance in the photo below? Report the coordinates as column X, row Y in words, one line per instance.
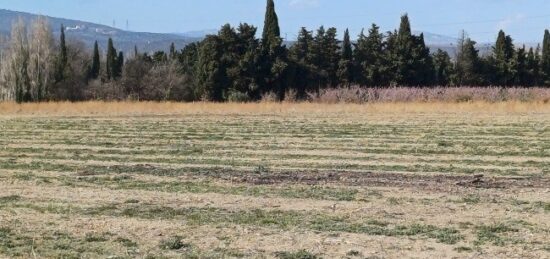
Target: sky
column 525, row 20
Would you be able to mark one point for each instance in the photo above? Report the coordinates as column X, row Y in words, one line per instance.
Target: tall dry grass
column 98, row 108
column 357, row 94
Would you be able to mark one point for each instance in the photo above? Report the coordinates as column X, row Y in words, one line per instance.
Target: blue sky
column 525, row 20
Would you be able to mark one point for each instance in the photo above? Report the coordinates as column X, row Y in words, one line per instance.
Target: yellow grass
column 95, row 108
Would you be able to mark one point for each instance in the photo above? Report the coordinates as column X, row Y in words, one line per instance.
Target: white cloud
column 504, row 24
column 304, row 3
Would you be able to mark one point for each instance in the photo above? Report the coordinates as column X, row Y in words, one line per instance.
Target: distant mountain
column 145, row 41
column 198, row 34
column 89, row 32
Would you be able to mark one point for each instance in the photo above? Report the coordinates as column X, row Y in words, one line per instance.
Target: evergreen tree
column 96, row 63
column 370, row 60
column 212, row 79
column 271, row 36
column 533, row 67
column 111, row 64
column 503, row 61
column 545, row 58
column 299, row 54
column 443, row 68
column 325, row 56
column 119, row 64
column 467, row 64
column 173, row 52
column 522, row 76
column 345, row 66
column 62, row 57
column 274, row 63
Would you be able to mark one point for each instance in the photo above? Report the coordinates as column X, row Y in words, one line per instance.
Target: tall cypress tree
column 62, row 57
column 111, row 61
column 345, row 66
column 119, row 64
column 271, row 36
column 545, row 58
column 370, row 60
column 96, row 62
column 274, row 63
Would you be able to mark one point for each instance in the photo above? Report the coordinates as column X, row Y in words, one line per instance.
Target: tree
column 300, row 56
column 443, row 68
column 42, row 59
column 271, row 35
column 15, row 74
column 532, row 67
column 173, row 51
column 545, row 58
column 345, row 66
column 111, row 64
column 212, row 80
column 119, row 64
column 96, row 63
column 503, row 61
column 62, row 56
column 274, row 63
column 467, row 64
column 325, row 56
column 370, row 59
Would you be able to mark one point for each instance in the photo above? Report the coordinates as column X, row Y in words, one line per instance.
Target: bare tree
column 15, row 77
column 41, row 58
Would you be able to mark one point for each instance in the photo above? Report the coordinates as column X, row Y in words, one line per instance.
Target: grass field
column 125, row 180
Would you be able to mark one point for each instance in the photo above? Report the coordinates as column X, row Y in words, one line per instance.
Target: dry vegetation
column 284, row 180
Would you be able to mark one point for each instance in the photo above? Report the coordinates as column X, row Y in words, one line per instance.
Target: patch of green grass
column 463, row 249
column 493, row 234
column 94, row 237
column 10, row 198
column 302, row 254
column 471, row 199
column 173, row 243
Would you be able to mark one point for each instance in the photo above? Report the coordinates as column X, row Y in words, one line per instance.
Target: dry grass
column 385, row 180
column 99, row 108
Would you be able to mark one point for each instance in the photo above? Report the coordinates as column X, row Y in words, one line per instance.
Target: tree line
column 235, row 65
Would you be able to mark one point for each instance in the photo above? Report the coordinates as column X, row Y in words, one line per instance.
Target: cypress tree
column 271, row 36
column 119, row 64
column 111, row 61
column 402, row 50
column 545, row 58
column 62, row 57
column 96, row 62
column 173, row 52
column 274, row 63
column 503, row 60
column 345, row 66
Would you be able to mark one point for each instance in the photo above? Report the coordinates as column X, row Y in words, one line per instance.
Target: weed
column 173, row 243
column 302, row 254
